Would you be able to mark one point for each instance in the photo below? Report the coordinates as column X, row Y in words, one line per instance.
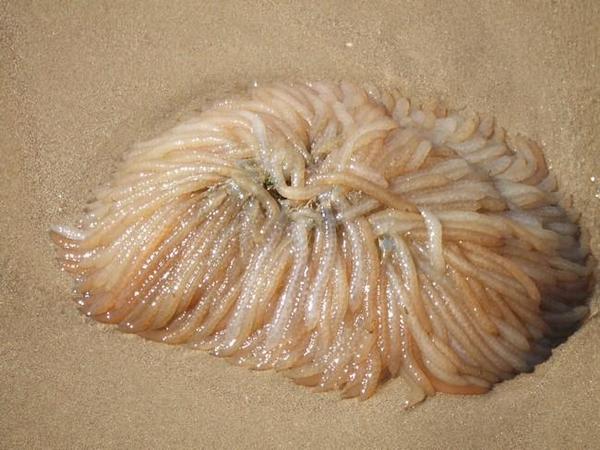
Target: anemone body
column 341, row 236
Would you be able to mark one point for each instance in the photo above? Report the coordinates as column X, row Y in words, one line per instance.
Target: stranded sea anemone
column 339, row 235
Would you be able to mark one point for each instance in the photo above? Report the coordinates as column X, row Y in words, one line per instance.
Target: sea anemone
column 341, row 236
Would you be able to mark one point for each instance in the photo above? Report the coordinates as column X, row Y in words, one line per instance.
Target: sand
column 80, row 83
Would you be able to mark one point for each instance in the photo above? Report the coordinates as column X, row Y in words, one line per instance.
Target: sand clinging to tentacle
column 340, row 235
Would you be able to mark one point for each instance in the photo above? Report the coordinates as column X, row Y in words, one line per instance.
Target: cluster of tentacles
column 340, row 235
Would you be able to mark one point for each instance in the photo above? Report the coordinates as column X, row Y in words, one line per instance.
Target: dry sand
column 79, row 83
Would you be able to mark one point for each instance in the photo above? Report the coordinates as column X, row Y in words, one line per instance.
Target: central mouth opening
column 269, row 186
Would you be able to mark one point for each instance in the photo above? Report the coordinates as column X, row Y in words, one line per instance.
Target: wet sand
column 79, row 84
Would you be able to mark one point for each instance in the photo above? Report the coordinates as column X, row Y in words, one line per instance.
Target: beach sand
column 81, row 81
